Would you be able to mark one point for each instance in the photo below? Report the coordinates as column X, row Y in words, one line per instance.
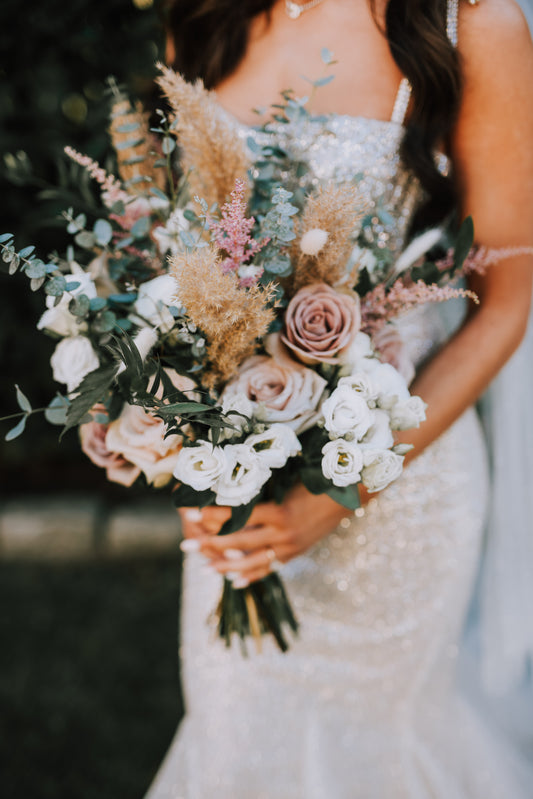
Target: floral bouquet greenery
column 225, row 333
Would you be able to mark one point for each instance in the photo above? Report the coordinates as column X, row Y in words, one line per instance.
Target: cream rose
column 346, row 411
column 200, row 466
column 275, row 445
column 73, row 359
column 380, row 468
column 244, row 476
column 139, row 438
column 342, row 462
column 320, row 322
column 279, row 389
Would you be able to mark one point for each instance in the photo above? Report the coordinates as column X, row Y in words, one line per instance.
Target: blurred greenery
column 90, row 691
column 56, row 60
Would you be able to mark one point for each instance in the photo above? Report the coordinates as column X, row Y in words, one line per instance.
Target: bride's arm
column 492, row 152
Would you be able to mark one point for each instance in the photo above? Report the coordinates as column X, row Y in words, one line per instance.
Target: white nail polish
column 241, row 582
column 232, row 576
column 190, row 545
column 193, row 515
column 233, row 554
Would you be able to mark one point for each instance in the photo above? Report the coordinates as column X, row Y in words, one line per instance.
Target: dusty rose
column 321, row 322
column 280, row 389
column 391, row 348
column 93, row 443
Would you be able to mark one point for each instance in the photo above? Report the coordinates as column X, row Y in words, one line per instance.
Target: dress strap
column 404, row 92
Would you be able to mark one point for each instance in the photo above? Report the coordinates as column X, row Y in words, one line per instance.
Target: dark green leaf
column 239, row 517
column 186, row 497
column 347, row 496
column 314, row 480
column 91, row 390
column 465, row 240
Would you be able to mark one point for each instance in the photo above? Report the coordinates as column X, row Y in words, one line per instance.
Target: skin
column 492, row 153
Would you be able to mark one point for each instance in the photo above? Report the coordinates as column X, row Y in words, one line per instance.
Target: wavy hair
column 210, row 39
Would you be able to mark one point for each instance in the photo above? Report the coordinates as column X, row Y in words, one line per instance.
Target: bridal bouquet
column 224, row 332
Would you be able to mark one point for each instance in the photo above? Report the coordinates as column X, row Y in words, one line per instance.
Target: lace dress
column 364, row 706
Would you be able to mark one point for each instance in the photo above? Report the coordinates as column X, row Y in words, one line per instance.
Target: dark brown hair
column 210, row 38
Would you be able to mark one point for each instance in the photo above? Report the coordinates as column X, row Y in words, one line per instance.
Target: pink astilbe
column 479, row 259
column 380, row 306
column 232, row 235
column 109, row 185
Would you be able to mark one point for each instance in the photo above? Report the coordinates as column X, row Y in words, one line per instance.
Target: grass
column 89, row 688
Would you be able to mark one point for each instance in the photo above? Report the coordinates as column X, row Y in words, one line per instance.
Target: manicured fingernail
column 240, row 582
column 190, row 545
column 233, row 554
column 232, row 576
column 193, row 515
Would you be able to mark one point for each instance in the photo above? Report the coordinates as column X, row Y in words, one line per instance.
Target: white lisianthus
column 342, row 462
column 73, row 359
column 167, row 237
column 361, row 347
column 57, row 318
column 390, row 385
column 381, row 467
column 153, row 302
column 243, row 477
column 408, row 414
column 200, row 466
column 275, row 445
column 239, row 409
column 416, row 249
column 346, row 411
column 313, row 241
column 379, row 435
column 362, row 384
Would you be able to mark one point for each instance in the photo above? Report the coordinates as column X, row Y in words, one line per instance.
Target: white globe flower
column 379, row 435
column 408, row 414
column 244, row 476
column 346, row 411
column 380, row 468
column 200, row 466
column 154, row 299
column 73, row 359
column 342, row 462
column 313, row 241
column 275, row 445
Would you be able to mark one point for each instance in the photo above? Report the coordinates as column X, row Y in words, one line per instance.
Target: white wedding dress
column 365, row 705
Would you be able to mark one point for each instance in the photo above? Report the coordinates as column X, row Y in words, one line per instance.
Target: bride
column 431, row 107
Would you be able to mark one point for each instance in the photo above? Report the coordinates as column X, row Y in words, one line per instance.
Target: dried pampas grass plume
column 212, row 152
column 135, row 160
column 230, row 317
column 334, row 210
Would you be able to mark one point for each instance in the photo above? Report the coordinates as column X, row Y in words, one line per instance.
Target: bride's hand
column 279, row 532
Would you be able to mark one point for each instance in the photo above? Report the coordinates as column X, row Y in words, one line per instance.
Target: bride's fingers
column 260, row 560
column 246, row 540
column 213, row 517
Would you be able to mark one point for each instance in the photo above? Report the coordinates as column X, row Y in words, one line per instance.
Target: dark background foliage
column 56, row 57
column 89, row 694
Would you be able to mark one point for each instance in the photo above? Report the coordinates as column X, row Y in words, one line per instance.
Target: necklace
column 294, row 10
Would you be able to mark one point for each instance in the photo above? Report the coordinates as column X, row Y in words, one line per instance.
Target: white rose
column 73, row 359
column 379, row 434
column 362, row 384
column 167, row 237
column 342, row 462
column 361, row 347
column 153, row 302
column 57, row 318
column 346, row 411
column 201, row 466
column 390, row 385
column 275, row 445
column 244, row 476
column 405, row 415
column 381, row 467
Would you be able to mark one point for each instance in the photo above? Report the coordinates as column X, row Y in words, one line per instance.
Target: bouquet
column 224, row 330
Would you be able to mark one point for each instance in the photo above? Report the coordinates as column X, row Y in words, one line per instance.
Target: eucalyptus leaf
column 5, row 237
column 158, row 193
column 129, row 143
column 323, row 81
column 97, row 303
column 141, row 227
column 8, row 254
column 17, row 430
column 103, row 231
column 36, row 283
column 14, row 265
column 55, row 286
column 56, row 412
column 104, row 322
column 85, row 239
column 26, row 252
column 22, row 400
column 168, row 145
column 35, row 268
column 326, row 55
column 79, row 306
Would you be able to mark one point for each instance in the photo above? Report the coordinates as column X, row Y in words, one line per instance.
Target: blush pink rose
column 321, row 322
column 280, row 389
column 93, row 443
column 391, row 348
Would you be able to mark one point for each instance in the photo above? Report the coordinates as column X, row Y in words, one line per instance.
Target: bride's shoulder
column 492, row 26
